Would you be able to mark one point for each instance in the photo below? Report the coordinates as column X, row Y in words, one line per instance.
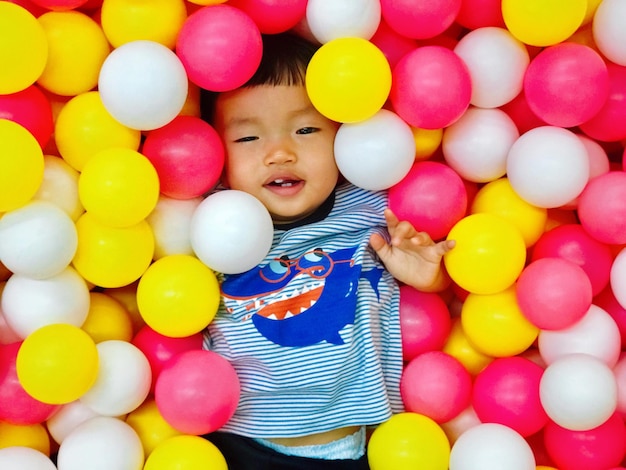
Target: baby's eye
column 307, row 130
column 246, row 139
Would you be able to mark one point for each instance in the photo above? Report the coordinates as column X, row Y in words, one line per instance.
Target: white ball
column 497, row 62
column 37, row 240
column 231, row 231
column 143, row 84
column 123, row 381
column 548, row 166
column 375, row 153
column 491, row 446
column 29, row 304
column 617, row 277
column 24, row 458
column 609, row 33
column 477, row 144
column 68, row 418
column 578, row 392
column 348, row 18
column 101, row 443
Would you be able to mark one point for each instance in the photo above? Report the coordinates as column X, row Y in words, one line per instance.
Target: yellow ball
column 495, row 324
column 127, row 296
column 77, row 48
column 111, row 256
column 119, row 187
column 186, row 452
column 23, row 48
column 107, row 319
column 498, row 198
column 34, row 436
column 489, row 255
column 348, row 79
column 408, row 440
column 84, row 127
column 178, row 295
column 460, row 347
column 427, row 141
column 57, row 363
column 150, row 425
column 543, row 22
column 21, row 165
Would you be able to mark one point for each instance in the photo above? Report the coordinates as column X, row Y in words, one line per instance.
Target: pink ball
column 188, row 156
column 32, row 110
column 197, row 392
column 436, row 385
column 606, row 300
column 220, row 47
column 431, row 196
column 553, row 293
column 566, row 84
column 431, row 87
column 524, row 118
column 597, row 449
column 392, row 44
column 507, row 392
column 573, row 243
column 160, row 349
column 420, row 20
column 601, row 208
column 271, row 16
column 476, row 14
column 424, row 322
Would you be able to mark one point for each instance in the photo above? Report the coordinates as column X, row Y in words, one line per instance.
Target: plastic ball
column 221, row 227
column 376, row 153
column 77, row 48
column 608, row 34
column 408, row 440
column 391, row 43
column 497, row 62
column 197, row 392
column 489, row 255
column 543, row 23
column 188, row 156
column 24, row 48
column 33, row 436
column 119, row 187
column 21, row 165
column 178, row 295
column 101, row 443
column 595, row 334
column 435, row 384
column 491, row 446
column 578, row 392
column 599, row 209
column 431, row 196
column 495, row 324
column 220, row 47
column 476, row 14
column 477, row 144
column 354, row 18
column 553, row 293
column 617, row 278
column 107, row 319
column 110, row 256
column 31, row 109
column 507, row 392
column 57, row 363
column 84, row 127
column 431, row 87
column 566, row 84
column 459, row 346
column 420, row 21
column 548, row 166
column 37, row 240
column 59, row 5
column 67, row 418
column 152, row 429
column 25, row 458
column 125, row 21
column 348, row 79
column 620, row 376
column 186, row 452
column 129, row 91
column 170, row 222
column 606, row 301
column 273, row 17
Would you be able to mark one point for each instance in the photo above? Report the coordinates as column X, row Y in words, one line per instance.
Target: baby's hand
column 412, row 257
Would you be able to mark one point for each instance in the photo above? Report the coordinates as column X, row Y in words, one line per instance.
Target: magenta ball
column 431, row 196
column 220, row 47
column 573, row 243
column 197, row 392
column 273, row 16
column 420, row 20
column 480, row 13
column 424, row 322
column 599, row 448
column 606, row 300
column 31, row 109
column 566, row 84
column 601, row 208
column 188, row 156
column 392, row 44
column 431, row 87
column 506, row 391
column 436, row 385
column 553, row 293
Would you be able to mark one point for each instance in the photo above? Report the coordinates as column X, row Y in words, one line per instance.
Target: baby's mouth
column 283, row 183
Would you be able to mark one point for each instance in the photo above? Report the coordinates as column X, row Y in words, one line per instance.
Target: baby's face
column 279, row 148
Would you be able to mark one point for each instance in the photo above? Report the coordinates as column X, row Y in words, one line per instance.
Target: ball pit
column 512, row 118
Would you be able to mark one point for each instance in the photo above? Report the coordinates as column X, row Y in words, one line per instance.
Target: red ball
column 272, row 16
column 480, row 13
column 601, row 208
column 392, row 44
column 420, row 20
column 188, row 156
column 31, row 109
column 431, row 196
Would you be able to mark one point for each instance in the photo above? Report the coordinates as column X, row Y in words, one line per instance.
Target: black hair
column 284, row 62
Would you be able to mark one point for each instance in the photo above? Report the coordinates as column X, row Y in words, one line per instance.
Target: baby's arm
column 412, row 257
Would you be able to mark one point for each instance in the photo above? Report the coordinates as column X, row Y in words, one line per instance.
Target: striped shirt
column 313, row 332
